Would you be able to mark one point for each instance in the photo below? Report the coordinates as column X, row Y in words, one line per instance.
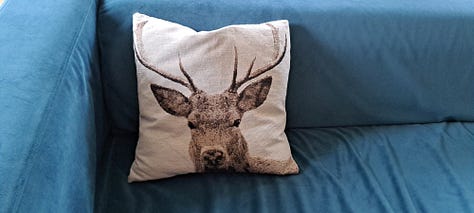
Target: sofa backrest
column 352, row 63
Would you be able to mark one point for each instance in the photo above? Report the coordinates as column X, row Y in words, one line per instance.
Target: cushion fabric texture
column 212, row 100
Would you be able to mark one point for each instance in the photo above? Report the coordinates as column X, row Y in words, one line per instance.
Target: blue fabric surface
column 353, row 62
column 50, row 101
column 403, row 168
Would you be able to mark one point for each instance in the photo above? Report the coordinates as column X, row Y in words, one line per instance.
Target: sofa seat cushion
column 403, row 168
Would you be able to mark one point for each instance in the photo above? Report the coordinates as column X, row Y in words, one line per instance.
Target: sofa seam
column 47, row 115
column 99, row 35
column 373, row 125
column 103, row 154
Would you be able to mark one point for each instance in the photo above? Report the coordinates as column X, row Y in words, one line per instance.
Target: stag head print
column 217, row 143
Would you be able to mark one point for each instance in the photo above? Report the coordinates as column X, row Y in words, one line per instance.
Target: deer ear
column 172, row 101
column 254, row 94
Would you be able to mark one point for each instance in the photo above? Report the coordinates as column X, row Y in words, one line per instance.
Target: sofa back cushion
column 351, row 63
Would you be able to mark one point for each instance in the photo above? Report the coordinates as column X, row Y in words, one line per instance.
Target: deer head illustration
column 217, row 143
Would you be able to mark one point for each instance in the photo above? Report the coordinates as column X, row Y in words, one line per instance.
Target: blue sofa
column 380, row 108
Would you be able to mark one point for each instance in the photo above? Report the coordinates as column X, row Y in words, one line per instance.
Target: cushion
column 211, row 101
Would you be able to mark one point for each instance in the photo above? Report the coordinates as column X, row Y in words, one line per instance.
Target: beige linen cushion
column 194, row 117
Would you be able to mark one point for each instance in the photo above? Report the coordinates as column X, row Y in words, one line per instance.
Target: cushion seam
column 46, row 116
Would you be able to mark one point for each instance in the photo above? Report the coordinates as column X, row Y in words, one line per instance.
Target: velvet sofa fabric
column 401, row 168
column 359, row 62
column 50, row 105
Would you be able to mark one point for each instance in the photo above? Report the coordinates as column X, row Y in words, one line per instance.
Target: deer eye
column 191, row 125
column 236, row 123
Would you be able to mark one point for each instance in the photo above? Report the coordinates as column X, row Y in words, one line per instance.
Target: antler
column 249, row 75
column 139, row 48
column 236, row 62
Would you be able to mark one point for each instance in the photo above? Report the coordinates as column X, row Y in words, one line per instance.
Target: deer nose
column 213, row 158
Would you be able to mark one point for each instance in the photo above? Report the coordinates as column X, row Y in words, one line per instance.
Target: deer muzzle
column 213, row 158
